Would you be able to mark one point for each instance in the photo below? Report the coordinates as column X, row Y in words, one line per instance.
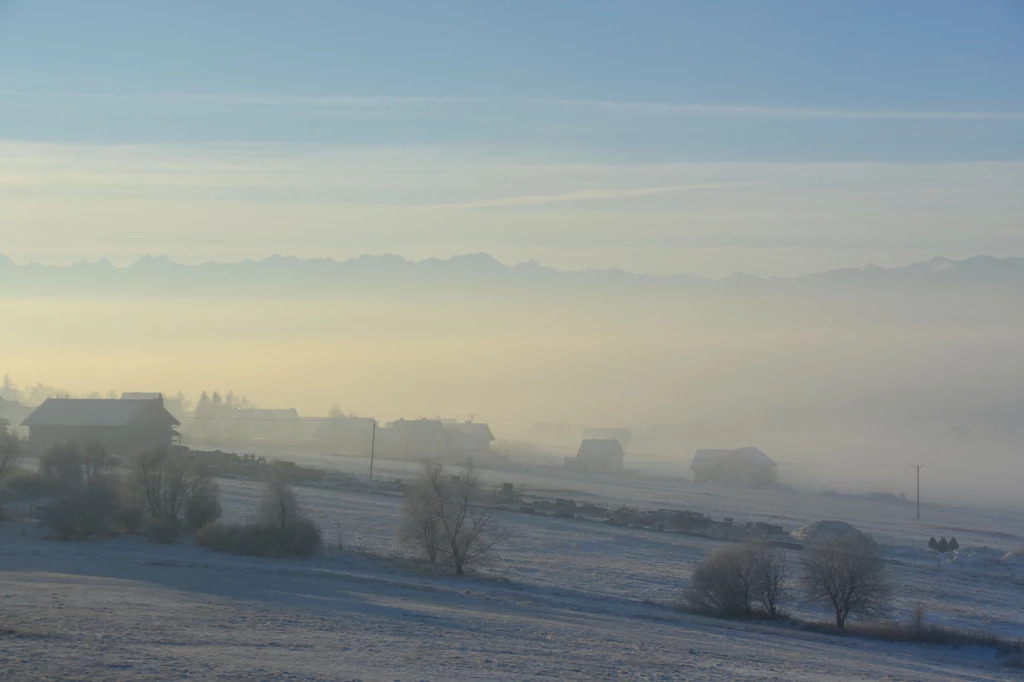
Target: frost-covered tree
column 846, row 573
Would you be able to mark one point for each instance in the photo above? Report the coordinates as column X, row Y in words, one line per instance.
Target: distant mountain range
column 471, row 273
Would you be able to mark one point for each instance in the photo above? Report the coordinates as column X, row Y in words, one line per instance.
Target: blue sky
column 606, row 104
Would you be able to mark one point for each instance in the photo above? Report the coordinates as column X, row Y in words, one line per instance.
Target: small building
column 123, row 427
column 597, row 456
column 746, row 466
column 416, row 439
column 468, row 438
column 343, row 435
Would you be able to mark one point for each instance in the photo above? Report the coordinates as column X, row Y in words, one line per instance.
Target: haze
column 694, row 147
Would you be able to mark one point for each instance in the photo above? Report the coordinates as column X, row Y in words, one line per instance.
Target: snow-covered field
column 565, row 600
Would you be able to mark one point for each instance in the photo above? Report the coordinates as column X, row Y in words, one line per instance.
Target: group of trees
column 944, row 545
column 160, row 494
column 844, row 573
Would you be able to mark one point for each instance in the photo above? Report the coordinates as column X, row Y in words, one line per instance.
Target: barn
column 124, row 427
column 597, row 456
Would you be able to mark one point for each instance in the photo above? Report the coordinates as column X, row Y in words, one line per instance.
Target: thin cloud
column 747, row 111
column 662, row 109
column 585, row 195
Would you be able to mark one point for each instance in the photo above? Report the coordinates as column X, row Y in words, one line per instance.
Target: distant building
column 468, row 438
column 597, row 456
column 124, row 427
column 747, row 466
column 172, row 405
column 416, row 439
column 13, row 412
column 223, row 423
column 343, row 435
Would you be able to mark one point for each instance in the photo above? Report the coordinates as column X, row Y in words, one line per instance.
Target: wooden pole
column 373, row 444
column 918, row 468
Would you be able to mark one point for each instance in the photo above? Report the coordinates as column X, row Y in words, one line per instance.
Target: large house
column 123, row 427
column 415, row 439
column 468, row 438
column 747, row 466
column 597, row 456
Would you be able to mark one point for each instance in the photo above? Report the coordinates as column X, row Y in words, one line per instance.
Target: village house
column 466, row 439
column 415, row 439
column 597, row 456
column 123, row 427
column 746, row 466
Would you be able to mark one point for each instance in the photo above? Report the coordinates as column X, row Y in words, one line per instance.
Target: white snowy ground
column 564, row 601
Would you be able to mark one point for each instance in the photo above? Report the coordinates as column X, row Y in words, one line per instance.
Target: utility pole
column 918, row 467
column 373, row 443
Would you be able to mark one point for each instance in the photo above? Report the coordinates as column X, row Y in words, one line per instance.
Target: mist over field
column 846, row 378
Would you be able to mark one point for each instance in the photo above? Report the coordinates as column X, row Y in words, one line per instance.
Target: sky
column 772, row 138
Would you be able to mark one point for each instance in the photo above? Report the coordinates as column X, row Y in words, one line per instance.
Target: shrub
column 164, row 531
column 29, row 485
column 723, row 584
column 131, row 517
column 302, row 538
column 174, row 488
column 85, row 490
column 281, row 529
column 203, row 507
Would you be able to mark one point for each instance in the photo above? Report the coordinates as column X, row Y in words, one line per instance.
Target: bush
column 85, row 490
column 723, row 583
column 164, row 531
column 131, row 517
column 281, row 529
column 174, row 488
column 728, row 582
column 302, row 538
column 30, row 485
column 203, row 507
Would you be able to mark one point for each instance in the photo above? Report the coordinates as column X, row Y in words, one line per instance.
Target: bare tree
column 172, row 484
column 10, row 452
column 770, row 569
column 466, row 533
column 278, row 507
column 847, row 573
column 421, row 513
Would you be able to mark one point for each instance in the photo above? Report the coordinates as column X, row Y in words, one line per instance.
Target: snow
column 565, row 599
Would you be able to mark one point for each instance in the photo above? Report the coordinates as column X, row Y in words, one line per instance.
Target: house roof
column 600, row 447
column 90, row 412
column 710, row 458
column 419, row 427
column 470, row 430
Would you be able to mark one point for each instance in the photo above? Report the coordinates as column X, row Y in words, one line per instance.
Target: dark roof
column 600, row 447
column 81, row 412
column 470, row 429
